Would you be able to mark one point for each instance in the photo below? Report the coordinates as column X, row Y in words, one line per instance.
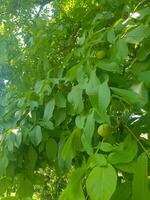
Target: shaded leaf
column 36, row 135
column 51, row 149
column 123, row 191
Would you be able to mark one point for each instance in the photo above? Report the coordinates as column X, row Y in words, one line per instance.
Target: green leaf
column 139, row 67
column 86, row 146
column 106, row 178
column 106, row 147
column 99, row 94
column 49, row 108
column 72, row 73
column 18, row 139
column 38, row 86
column 60, row 100
column 111, row 35
column 64, row 165
column 120, row 50
column 96, row 160
column 138, row 34
column 36, row 135
column 47, row 124
column 31, row 158
column 140, row 184
column 51, row 149
column 3, row 164
column 141, row 91
column 80, row 121
column 123, row 191
column 9, row 198
column 93, row 84
column 4, row 184
column 89, row 127
column 25, row 188
column 10, row 142
column 104, row 96
column 75, row 98
column 3, row 53
column 144, row 76
column 127, row 167
column 125, row 153
column 59, row 116
column 108, row 65
column 72, row 144
column 144, row 50
column 130, row 96
column 74, row 189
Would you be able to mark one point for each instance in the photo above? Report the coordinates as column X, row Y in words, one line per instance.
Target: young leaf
column 104, row 189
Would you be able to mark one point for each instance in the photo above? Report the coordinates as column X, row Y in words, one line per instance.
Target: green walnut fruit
column 104, row 130
column 100, row 54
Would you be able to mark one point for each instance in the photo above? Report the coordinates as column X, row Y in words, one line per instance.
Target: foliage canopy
column 75, row 97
